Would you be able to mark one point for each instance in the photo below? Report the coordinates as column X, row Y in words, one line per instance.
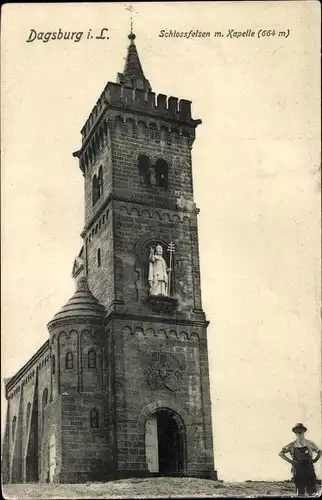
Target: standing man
column 302, row 452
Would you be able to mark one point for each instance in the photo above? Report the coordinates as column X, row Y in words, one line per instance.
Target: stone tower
column 121, row 387
column 141, row 260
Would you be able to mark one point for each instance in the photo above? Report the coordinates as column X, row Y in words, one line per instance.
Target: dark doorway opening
column 170, row 444
column 32, row 473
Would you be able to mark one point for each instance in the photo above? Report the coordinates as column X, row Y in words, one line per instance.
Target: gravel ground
column 150, row 488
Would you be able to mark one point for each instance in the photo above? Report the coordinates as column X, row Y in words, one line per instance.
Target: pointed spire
column 132, row 67
column 133, row 75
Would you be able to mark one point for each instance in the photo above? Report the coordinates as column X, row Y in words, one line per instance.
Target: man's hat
column 299, row 427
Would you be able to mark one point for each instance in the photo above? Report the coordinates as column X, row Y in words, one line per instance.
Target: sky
column 256, row 181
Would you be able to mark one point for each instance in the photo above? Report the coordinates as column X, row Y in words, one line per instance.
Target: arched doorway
column 31, row 424
column 165, row 443
column 52, row 458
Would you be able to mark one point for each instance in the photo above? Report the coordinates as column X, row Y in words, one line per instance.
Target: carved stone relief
column 164, row 370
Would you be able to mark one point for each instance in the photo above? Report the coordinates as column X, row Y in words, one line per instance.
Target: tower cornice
column 152, row 319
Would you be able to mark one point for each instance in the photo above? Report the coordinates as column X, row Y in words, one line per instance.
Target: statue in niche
column 158, row 272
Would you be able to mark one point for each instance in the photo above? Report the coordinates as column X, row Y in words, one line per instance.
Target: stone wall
column 86, row 451
column 51, row 426
column 101, row 280
column 136, row 229
column 103, row 157
column 136, row 346
column 133, row 137
column 24, row 420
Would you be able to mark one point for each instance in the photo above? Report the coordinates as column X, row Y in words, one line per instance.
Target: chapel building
column 121, row 386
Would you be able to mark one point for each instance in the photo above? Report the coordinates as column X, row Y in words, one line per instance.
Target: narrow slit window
column 161, row 174
column 99, row 261
column 94, row 419
column 95, row 190
column 69, row 361
column 28, row 413
column 13, row 426
column 45, row 398
column 92, row 358
column 100, row 181
column 44, row 404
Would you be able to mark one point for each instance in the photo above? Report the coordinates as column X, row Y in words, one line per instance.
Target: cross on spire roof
column 130, row 9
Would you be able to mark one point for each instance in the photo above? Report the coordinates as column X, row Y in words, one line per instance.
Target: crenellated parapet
column 148, row 103
column 131, row 108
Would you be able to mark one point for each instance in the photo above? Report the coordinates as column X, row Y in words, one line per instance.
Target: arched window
column 163, row 134
column 105, row 130
column 90, row 154
column 45, row 397
column 153, row 131
column 95, row 190
column 86, row 160
column 98, row 257
column 28, row 413
column 92, row 358
column 101, row 133
column 44, row 404
column 97, row 142
column 119, row 122
column 142, row 129
column 161, row 174
column 53, row 364
column 100, row 181
column 13, row 426
column 144, row 167
column 94, row 418
column 69, row 361
column 93, row 146
column 52, row 457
